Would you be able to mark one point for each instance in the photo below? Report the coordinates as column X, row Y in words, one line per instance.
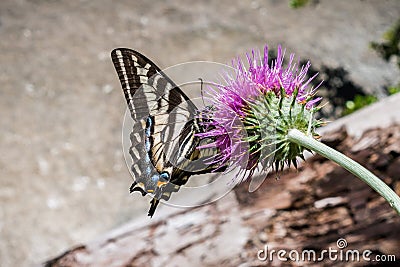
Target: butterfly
column 164, row 157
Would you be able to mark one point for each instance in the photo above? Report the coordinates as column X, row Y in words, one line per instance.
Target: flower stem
column 355, row 168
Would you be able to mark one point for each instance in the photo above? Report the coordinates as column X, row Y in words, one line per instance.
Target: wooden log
column 308, row 209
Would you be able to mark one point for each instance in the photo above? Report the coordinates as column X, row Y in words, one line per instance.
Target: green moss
column 394, row 89
column 358, row 102
column 298, row 3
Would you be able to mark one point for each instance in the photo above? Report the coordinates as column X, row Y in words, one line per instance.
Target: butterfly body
column 162, row 159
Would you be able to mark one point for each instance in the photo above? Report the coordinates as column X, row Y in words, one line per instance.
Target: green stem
column 355, row 168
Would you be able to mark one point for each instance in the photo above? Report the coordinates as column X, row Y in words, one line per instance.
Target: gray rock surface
column 63, row 179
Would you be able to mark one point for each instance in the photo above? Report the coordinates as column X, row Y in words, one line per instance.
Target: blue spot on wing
column 149, row 124
column 164, row 175
column 147, row 145
column 155, row 178
column 148, row 170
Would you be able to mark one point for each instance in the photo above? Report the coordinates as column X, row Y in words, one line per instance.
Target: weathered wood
column 306, row 209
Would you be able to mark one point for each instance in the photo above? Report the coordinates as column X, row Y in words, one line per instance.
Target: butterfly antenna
column 201, row 90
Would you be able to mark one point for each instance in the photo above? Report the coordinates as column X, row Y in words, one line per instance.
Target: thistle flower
column 263, row 116
column 252, row 113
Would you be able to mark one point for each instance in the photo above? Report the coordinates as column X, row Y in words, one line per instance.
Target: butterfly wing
column 161, row 154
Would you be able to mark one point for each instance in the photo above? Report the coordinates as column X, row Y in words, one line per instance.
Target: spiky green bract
column 268, row 120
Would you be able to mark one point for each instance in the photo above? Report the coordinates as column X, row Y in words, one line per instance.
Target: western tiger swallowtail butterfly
column 164, row 157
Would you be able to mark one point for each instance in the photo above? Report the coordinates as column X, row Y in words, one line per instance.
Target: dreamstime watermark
column 338, row 254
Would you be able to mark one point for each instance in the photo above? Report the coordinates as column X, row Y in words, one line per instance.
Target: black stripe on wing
column 158, row 92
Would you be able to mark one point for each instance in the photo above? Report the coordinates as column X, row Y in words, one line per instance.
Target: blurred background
column 63, row 179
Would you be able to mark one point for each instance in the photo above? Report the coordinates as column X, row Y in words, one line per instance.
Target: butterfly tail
column 153, row 205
